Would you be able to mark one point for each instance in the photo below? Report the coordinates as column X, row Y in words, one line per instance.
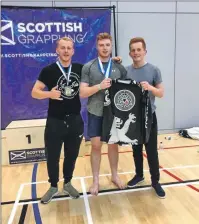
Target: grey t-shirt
column 148, row 73
column 92, row 75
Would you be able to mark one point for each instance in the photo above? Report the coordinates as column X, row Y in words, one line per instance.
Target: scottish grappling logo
column 124, row 100
column 40, row 33
column 7, row 33
column 73, row 85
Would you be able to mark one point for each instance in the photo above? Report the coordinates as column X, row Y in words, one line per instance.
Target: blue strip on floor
column 34, row 195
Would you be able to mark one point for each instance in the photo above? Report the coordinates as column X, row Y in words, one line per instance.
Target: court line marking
column 108, row 174
column 61, row 195
column 14, row 209
column 86, row 202
column 173, row 175
column 23, row 214
column 130, row 151
column 55, row 199
column 116, row 192
column 36, row 211
column 161, row 169
column 179, row 179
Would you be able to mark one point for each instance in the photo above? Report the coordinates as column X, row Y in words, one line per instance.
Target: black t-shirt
column 127, row 115
column 52, row 76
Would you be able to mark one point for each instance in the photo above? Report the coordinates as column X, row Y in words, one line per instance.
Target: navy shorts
column 94, row 125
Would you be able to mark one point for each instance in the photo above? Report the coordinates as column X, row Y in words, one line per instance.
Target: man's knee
column 96, row 144
column 112, row 147
column 96, row 147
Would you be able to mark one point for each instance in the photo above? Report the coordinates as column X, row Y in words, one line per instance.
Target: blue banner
column 28, row 41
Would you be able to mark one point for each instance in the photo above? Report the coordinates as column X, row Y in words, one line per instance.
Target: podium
column 23, row 142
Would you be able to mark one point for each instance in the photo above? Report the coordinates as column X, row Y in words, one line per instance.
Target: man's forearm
column 87, row 91
column 157, row 92
column 40, row 94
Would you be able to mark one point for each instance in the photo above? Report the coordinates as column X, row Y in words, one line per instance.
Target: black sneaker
column 135, row 181
column 159, row 190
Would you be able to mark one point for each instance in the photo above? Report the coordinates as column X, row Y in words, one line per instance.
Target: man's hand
column 146, row 86
column 117, row 59
column 157, row 91
column 55, row 94
column 105, row 84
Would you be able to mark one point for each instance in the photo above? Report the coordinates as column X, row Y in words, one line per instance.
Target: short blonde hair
column 102, row 36
column 64, row 38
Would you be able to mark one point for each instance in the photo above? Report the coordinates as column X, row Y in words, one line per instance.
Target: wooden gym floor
column 24, row 185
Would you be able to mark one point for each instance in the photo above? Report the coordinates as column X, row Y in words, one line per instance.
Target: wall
column 171, row 32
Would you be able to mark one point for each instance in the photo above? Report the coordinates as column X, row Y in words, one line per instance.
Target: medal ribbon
column 107, row 71
column 63, row 71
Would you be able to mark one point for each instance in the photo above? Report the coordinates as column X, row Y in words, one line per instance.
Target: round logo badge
column 72, row 89
column 124, row 100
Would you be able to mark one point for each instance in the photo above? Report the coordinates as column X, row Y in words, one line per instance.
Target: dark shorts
column 94, row 125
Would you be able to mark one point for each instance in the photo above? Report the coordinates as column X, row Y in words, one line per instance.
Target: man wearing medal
column 62, row 78
column 96, row 78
